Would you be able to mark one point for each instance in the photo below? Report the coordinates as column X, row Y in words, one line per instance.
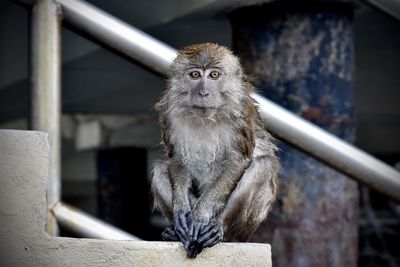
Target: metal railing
column 85, row 225
column 46, row 92
column 157, row 56
column 391, row 7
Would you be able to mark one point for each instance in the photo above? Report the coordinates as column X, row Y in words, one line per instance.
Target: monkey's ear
column 247, row 78
column 247, row 83
column 157, row 107
column 161, row 105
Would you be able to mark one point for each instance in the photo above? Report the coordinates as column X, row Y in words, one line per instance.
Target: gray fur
column 209, row 172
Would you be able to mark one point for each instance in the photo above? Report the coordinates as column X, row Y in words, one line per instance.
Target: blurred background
column 110, row 135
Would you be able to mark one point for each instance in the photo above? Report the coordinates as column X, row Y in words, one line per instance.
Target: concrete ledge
column 24, row 242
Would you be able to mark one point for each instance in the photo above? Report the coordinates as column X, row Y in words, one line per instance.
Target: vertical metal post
column 45, row 94
column 302, row 55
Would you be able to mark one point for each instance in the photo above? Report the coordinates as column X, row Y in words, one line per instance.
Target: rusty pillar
column 301, row 56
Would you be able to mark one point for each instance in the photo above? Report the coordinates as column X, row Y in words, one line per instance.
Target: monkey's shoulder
column 264, row 142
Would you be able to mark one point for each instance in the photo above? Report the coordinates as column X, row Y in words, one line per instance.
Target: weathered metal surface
column 301, row 56
column 46, row 91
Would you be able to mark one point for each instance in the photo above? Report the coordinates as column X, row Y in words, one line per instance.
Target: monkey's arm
column 180, row 179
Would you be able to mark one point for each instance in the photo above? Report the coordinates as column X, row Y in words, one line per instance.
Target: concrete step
column 23, row 176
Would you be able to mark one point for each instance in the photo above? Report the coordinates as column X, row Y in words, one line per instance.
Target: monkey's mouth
column 204, row 111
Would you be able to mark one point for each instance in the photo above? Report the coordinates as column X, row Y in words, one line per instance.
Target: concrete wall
column 24, row 242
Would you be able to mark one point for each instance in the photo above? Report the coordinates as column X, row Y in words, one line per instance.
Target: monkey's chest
column 203, row 174
column 204, row 167
column 204, row 159
column 202, row 149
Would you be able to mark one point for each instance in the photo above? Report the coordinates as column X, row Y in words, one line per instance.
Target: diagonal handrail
column 86, row 225
column 315, row 141
column 390, row 7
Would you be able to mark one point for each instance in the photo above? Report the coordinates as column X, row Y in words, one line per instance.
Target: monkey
column 219, row 176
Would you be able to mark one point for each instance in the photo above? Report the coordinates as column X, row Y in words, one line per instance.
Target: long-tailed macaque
column 219, row 178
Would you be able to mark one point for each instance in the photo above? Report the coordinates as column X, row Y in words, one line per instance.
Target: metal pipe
column 313, row 140
column 85, row 225
column 45, row 92
column 388, row 6
column 119, row 35
column 330, row 149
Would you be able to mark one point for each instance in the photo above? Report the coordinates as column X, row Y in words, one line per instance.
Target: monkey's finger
column 194, row 230
column 208, row 235
column 169, row 234
column 179, row 231
column 169, row 237
column 191, row 250
column 197, row 229
column 208, row 227
column 183, row 223
column 169, row 231
column 185, row 242
column 194, row 249
column 212, row 241
column 182, row 235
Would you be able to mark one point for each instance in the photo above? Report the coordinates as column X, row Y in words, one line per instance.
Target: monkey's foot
column 208, row 236
column 169, row 234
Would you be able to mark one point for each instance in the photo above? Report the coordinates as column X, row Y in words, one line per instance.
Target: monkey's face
column 206, row 80
column 205, row 86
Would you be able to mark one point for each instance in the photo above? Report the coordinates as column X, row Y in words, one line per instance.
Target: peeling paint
column 302, row 58
column 292, row 200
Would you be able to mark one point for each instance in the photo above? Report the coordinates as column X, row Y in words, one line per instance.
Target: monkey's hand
column 212, row 234
column 181, row 227
column 203, row 235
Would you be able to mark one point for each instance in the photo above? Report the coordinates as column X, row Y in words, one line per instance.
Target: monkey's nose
column 203, row 93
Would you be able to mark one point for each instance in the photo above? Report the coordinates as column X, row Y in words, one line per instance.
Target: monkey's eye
column 214, row 75
column 195, row 74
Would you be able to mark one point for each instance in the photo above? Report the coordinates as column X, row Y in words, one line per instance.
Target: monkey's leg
column 248, row 205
